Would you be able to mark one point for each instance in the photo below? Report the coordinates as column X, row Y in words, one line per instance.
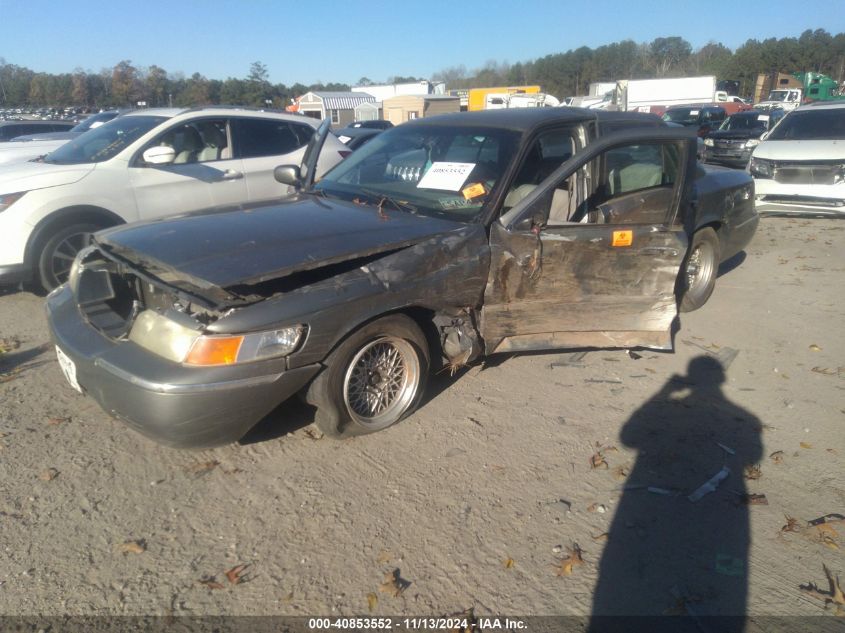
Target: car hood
column 22, row 151
column 28, row 175
column 734, row 134
column 801, row 150
column 242, row 247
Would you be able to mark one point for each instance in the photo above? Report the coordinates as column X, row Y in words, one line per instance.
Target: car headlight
column 760, row 168
column 179, row 343
column 8, row 199
column 752, row 142
column 708, row 142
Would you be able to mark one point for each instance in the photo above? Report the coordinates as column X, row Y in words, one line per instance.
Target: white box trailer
column 642, row 94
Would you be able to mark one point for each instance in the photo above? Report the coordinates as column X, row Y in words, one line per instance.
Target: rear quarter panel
column 725, row 200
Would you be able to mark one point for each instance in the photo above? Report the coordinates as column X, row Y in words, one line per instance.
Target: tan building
column 405, row 108
column 339, row 106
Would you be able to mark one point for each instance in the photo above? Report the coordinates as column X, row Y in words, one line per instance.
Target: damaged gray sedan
column 441, row 241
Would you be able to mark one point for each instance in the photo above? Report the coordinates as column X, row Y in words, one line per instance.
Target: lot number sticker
column 446, row 176
column 623, row 238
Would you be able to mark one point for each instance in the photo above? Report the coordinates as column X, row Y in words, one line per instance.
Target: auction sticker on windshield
column 68, row 369
column 446, row 176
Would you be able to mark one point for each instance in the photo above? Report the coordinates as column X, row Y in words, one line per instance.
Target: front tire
column 701, row 266
column 60, row 250
column 373, row 379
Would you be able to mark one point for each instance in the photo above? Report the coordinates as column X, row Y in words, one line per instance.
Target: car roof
column 519, row 119
column 223, row 110
column 823, row 105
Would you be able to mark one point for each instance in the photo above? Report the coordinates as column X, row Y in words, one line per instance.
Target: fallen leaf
column 372, row 601
column 384, row 556
column 620, row 473
column 236, row 574
column 509, row 563
column 394, row 584
column 824, row 370
column 202, row 468
column 754, row 500
column 806, row 445
column 600, row 538
column 133, row 547
column 597, row 461
column 815, row 348
column 565, row 566
column 777, row 457
column 833, row 596
column 211, row 583
column 48, row 475
column 752, row 471
column 57, row 421
column 791, row 525
column 313, row 433
column 288, row 598
column 832, row 451
column 596, row 507
column 9, row 344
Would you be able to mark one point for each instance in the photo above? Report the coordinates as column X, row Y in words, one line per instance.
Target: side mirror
column 159, row 155
column 532, row 222
column 288, row 175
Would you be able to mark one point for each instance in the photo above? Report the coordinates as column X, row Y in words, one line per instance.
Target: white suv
column 143, row 165
column 799, row 167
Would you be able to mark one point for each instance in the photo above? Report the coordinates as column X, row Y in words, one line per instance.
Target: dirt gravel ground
column 479, row 499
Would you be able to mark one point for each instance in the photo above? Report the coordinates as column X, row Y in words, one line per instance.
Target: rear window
column 268, row 137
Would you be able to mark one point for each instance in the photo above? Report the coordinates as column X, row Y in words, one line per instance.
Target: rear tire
column 60, row 250
column 373, row 379
column 701, row 266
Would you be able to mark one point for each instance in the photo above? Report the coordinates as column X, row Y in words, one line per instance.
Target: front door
column 591, row 256
column 205, row 173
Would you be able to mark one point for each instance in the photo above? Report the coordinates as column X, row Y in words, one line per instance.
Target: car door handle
column 660, row 250
column 231, row 174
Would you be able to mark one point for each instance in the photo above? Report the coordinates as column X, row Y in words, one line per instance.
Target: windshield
column 439, row 171
column 684, row 116
column 782, row 95
column 811, row 125
column 746, row 121
column 95, row 120
column 103, row 142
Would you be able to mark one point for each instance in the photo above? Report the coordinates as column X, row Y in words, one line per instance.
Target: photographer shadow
column 668, row 555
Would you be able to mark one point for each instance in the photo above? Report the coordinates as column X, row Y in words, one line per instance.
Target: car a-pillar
column 57, row 239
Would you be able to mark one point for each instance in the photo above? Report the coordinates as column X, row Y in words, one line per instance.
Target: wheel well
column 423, row 317
column 40, row 234
column 715, row 225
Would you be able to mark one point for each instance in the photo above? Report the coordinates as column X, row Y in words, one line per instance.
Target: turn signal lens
column 215, row 350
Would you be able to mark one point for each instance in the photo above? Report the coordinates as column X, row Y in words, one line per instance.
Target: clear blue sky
column 342, row 41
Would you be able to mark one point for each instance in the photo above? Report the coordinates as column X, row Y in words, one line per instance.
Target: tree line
column 560, row 74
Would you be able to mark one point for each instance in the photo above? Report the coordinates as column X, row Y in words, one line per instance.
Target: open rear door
column 591, row 257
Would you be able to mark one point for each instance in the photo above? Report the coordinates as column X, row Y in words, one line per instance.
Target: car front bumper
column 731, row 157
column 773, row 197
column 178, row 406
column 15, row 274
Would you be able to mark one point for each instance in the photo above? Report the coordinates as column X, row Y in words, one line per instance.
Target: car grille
column 807, row 174
column 729, row 143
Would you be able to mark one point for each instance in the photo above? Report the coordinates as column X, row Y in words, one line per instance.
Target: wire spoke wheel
column 381, row 381
column 699, row 268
